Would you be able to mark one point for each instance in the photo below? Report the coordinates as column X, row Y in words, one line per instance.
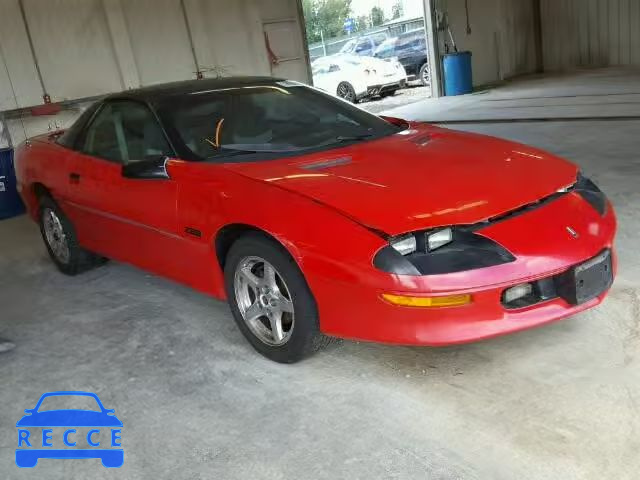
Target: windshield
column 348, row 47
column 351, row 59
column 235, row 124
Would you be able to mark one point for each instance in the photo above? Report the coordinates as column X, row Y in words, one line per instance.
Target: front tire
column 347, row 92
column 60, row 239
column 271, row 301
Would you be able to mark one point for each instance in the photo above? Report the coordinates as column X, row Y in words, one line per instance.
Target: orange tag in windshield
column 215, row 143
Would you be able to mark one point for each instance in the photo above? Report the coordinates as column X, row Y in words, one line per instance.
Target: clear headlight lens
column 456, row 250
column 439, row 238
column 405, row 245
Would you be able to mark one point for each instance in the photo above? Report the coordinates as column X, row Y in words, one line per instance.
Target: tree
column 311, row 21
column 326, row 16
column 377, row 16
column 362, row 23
column 397, row 10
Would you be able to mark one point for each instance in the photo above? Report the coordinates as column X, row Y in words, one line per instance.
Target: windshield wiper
column 346, row 138
column 232, row 150
column 232, row 153
column 351, row 138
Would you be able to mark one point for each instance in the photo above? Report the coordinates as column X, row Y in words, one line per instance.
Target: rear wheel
column 347, row 92
column 271, row 301
column 424, row 75
column 61, row 241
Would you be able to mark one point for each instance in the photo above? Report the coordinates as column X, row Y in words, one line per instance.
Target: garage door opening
column 370, row 52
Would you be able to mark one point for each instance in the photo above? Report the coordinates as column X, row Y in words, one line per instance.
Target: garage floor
column 601, row 93
column 562, row 401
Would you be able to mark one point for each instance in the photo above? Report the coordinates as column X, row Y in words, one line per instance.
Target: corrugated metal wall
column 91, row 47
column 590, row 33
column 501, row 36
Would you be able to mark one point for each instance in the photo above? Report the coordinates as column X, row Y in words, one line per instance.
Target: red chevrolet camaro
column 315, row 219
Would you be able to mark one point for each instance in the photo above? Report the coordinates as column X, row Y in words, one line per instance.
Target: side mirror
column 150, row 168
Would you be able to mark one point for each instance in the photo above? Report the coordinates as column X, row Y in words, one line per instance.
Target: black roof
column 157, row 92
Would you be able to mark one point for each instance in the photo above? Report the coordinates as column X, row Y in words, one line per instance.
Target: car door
column 132, row 220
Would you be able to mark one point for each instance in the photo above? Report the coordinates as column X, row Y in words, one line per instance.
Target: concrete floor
column 415, row 92
column 600, row 93
column 562, row 401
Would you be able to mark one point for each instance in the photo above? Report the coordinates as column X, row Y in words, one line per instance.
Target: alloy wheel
column 345, row 91
column 264, row 301
column 425, row 77
column 56, row 238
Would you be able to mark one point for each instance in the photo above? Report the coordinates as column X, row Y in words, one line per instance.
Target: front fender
column 324, row 242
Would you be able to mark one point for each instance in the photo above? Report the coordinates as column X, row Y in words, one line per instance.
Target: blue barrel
column 457, row 73
column 10, row 202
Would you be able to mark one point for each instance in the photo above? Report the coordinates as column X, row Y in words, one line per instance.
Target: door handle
column 74, row 178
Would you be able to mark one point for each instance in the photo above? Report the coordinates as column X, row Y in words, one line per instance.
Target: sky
column 412, row 8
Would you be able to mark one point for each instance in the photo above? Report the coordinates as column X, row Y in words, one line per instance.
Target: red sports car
column 313, row 217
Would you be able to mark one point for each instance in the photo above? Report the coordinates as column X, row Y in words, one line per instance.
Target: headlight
column 446, row 250
column 439, row 238
column 405, row 245
column 591, row 193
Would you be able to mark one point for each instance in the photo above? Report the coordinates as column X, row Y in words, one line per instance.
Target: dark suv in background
column 364, row 46
column 411, row 50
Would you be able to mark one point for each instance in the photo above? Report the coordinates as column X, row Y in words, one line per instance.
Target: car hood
column 346, row 60
column 372, row 62
column 69, row 418
column 421, row 178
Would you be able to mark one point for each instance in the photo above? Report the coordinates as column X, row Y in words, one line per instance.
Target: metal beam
column 433, row 50
column 45, row 94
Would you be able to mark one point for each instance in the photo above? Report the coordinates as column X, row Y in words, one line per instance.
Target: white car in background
column 353, row 77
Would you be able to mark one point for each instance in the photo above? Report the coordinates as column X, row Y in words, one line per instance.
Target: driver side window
column 125, row 132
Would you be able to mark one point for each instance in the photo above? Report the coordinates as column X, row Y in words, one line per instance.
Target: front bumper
column 365, row 316
column 543, row 249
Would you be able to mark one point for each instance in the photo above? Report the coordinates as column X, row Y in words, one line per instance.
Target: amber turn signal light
column 427, row 302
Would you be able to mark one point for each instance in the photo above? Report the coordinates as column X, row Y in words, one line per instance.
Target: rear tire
column 245, row 271
column 424, row 75
column 60, row 239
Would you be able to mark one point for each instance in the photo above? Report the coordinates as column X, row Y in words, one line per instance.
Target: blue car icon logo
column 65, row 430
